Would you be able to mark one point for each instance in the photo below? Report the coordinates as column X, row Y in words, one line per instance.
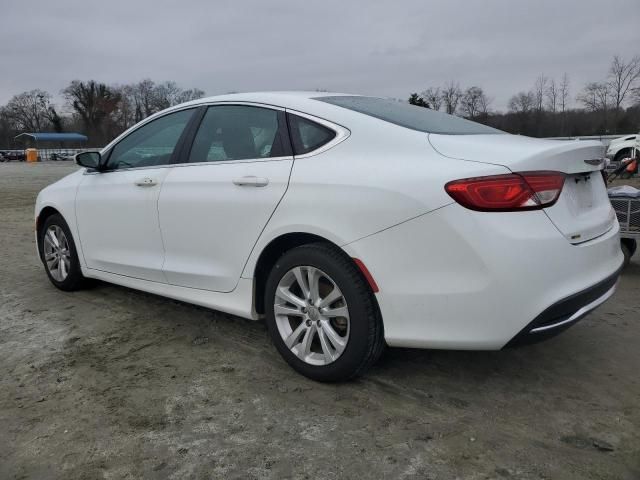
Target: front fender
column 61, row 197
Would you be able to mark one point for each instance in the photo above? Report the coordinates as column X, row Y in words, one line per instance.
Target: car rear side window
column 409, row 116
column 240, row 132
column 306, row 135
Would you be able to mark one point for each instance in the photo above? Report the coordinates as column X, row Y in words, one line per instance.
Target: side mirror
column 89, row 160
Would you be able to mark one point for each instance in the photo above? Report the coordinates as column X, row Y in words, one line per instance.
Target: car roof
column 295, row 100
column 284, row 96
column 302, row 101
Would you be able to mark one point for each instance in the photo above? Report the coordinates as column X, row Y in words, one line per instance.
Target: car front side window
column 153, row 144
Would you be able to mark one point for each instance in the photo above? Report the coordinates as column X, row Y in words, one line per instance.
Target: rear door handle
column 251, row 181
column 146, row 182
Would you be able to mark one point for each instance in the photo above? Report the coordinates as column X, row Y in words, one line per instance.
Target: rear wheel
column 59, row 254
column 321, row 314
column 628, row 247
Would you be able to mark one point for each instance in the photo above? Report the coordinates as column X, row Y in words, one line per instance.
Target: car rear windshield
column 409, row 116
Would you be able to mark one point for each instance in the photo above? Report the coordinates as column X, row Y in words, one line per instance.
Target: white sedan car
column 347, row 222
column 622, row 147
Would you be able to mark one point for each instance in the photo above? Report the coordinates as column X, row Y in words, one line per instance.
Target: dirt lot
column 113, row 383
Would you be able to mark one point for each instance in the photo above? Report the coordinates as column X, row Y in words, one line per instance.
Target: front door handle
column 251, row 181
column 146, row 182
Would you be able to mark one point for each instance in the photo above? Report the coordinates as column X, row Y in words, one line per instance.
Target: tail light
column 507, row 193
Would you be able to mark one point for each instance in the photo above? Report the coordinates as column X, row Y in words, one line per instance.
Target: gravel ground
column 113, row 383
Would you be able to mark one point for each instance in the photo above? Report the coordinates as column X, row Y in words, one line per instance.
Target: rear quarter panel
column 380, row 176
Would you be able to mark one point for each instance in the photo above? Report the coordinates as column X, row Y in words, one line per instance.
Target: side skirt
column 238, row 302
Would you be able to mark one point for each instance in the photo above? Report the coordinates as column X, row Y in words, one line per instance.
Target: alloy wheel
column 312, row 315
column 57, row 255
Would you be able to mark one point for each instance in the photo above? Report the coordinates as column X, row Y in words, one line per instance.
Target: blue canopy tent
column 67, row 143
column 55, row 137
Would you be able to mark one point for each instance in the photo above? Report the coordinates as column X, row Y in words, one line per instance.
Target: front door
column 117, row 209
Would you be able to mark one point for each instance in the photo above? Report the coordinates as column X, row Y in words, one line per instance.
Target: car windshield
column 410, row 116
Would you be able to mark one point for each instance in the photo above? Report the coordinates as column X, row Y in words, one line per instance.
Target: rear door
column 214, row 206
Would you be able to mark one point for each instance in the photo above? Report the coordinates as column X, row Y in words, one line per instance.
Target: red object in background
column 632, row 166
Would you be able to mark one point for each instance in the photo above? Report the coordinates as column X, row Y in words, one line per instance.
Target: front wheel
column 59, row 254
column 321, row 314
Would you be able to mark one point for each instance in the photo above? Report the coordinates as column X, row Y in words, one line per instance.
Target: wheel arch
column 278, row 247
column 623, row 151
column 43, row 214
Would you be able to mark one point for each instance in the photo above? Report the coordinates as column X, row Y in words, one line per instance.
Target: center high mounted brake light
column 509, row 192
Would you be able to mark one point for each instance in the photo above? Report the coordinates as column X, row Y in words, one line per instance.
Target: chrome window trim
column 142, row 123
column 241, row 103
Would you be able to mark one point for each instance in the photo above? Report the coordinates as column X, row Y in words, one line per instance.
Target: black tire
column 622, row 154
column 74, row 279
column 366, row 337
column 628, row 247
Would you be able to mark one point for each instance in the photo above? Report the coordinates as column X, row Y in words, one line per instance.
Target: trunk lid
column 583, row 210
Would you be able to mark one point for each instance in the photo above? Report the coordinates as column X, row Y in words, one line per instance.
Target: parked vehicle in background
column 620, row 148
column 347, row 222
column 625, row 200
column 10, row 155
column 58, row 157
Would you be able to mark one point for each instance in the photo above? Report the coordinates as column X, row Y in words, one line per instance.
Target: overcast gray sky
column 380, row 48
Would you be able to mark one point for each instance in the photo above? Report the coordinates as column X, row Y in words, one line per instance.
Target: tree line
column 96, row 109
column 608, row 106
column 548, row 109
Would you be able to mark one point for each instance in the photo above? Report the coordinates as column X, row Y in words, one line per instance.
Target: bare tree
column 539, row 91
column 188, row 95
column 472, row 102
column 552, row 94
column 451, row 95
column 147, row 97
column 596, row 96
column 564, row 93
column 94, row 102
column 141, row 97
column 31, row 111
column 622, row 77
column 7, row 127
column 563, row 99
column 522, row 102
column 125, row 114
column 485, row 105
column 433, row 97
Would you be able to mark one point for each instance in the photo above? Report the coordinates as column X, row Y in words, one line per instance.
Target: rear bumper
column 565, row 313
column 464, row 280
